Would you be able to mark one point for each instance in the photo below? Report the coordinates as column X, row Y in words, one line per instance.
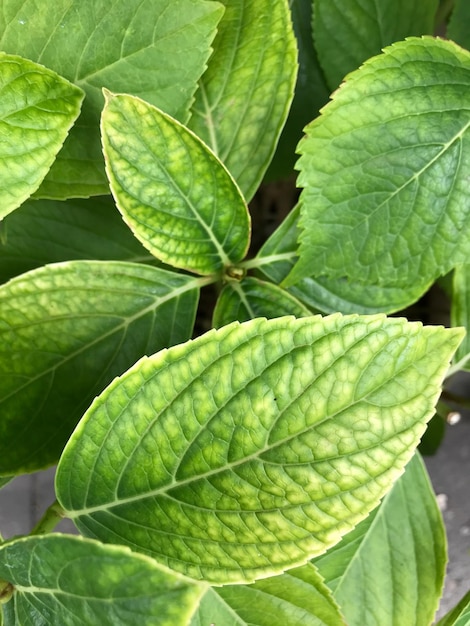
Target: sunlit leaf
column 249, row 450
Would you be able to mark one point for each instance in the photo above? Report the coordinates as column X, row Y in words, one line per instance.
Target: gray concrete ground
column 23, row 501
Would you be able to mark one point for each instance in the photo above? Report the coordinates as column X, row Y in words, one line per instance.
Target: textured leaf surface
column 251, row 298
column 256, row 446
column 71, row 581
column 385, row 169
column 348, row 32
column 311, row 92
column 37, row 109
column 458, row 28
column 459, row 616
column 398, row 554
column 177, row 197
column 66, row 331
column 151, row 48
column 296, row 598
column 244, row 95
column 460, row 308
column 48, row 231
column 279, row 254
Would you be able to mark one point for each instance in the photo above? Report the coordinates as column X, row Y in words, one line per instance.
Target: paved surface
column 23, row 501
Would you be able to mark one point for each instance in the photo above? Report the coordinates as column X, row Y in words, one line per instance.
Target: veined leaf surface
column 397, row 554
column 244, row 96
column 256, row 446
column 37, row 109
column 297, row 597
column 66, row 331
column 64, row 580
column 348, row 32
column 174, row 193
column 385, row 168
column 154, row 49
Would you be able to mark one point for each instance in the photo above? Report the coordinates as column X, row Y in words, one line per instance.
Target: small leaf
column 253, row 448
column 245, row 94
column 71, row 581
column 66, row 331
column 398, row 554
column 297, row 597
column 348, row 32
column 251, row 298
column 48, row 231
column 459, row 615
column 179, row 200
column 37, row 109
column 154, row 49
column 279, row 254
column 460, row 308
column 384, row 170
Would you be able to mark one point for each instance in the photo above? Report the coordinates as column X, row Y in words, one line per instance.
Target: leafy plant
column 258, row 467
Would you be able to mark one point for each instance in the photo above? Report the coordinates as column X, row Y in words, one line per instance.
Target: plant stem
column 49, row 520
column 443, row 12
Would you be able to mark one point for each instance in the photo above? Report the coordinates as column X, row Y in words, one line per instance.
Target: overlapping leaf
column 48, row 231
column 385, row 168
column 37, row 109
column 459, row 616
column 174, row 193
column 152, row 48
column 245, row 94
column 279, row 254
column 348, row 32
column 398, row 554
column 297, row 597
column 257, row 446
column 249, row 298
column 71, row 581
column 66, row 331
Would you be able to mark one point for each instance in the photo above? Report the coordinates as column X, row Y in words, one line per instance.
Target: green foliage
column 247, row 462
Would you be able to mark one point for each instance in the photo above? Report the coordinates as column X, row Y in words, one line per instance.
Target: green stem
column 53, row 515
column 443, row 12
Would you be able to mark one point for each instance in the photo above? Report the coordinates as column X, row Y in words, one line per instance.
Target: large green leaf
column 277, row 258
column 459, row 24
column 48, row 231
column 257, row 446
column 459, row 616
column 63, row 580
column 243, row 300
column 397, row 555
column 460, row 308
column 296, row 598
column 348, row 32
column 174, row 193
column 66, row 331
column 154, row 49
column 37, row 110
column 385, row 169
column 311, row 92
column 245, row 94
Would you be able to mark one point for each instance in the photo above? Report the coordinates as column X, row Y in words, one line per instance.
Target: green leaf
column 37, row 110
column 151, row 48
column 251, row 449
column 72, row 581
column 460, row 309
column 398, row 554
column 458, row 28
column 66, row 331
column 174, row 193
column 348, row 32
column 245, row 94
column 311, row 93
column 251, row 298
column 297, row 597
column 4, row 480
column 47, row 231
column 384, row 170
column 279, row 254
column 459, row 616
